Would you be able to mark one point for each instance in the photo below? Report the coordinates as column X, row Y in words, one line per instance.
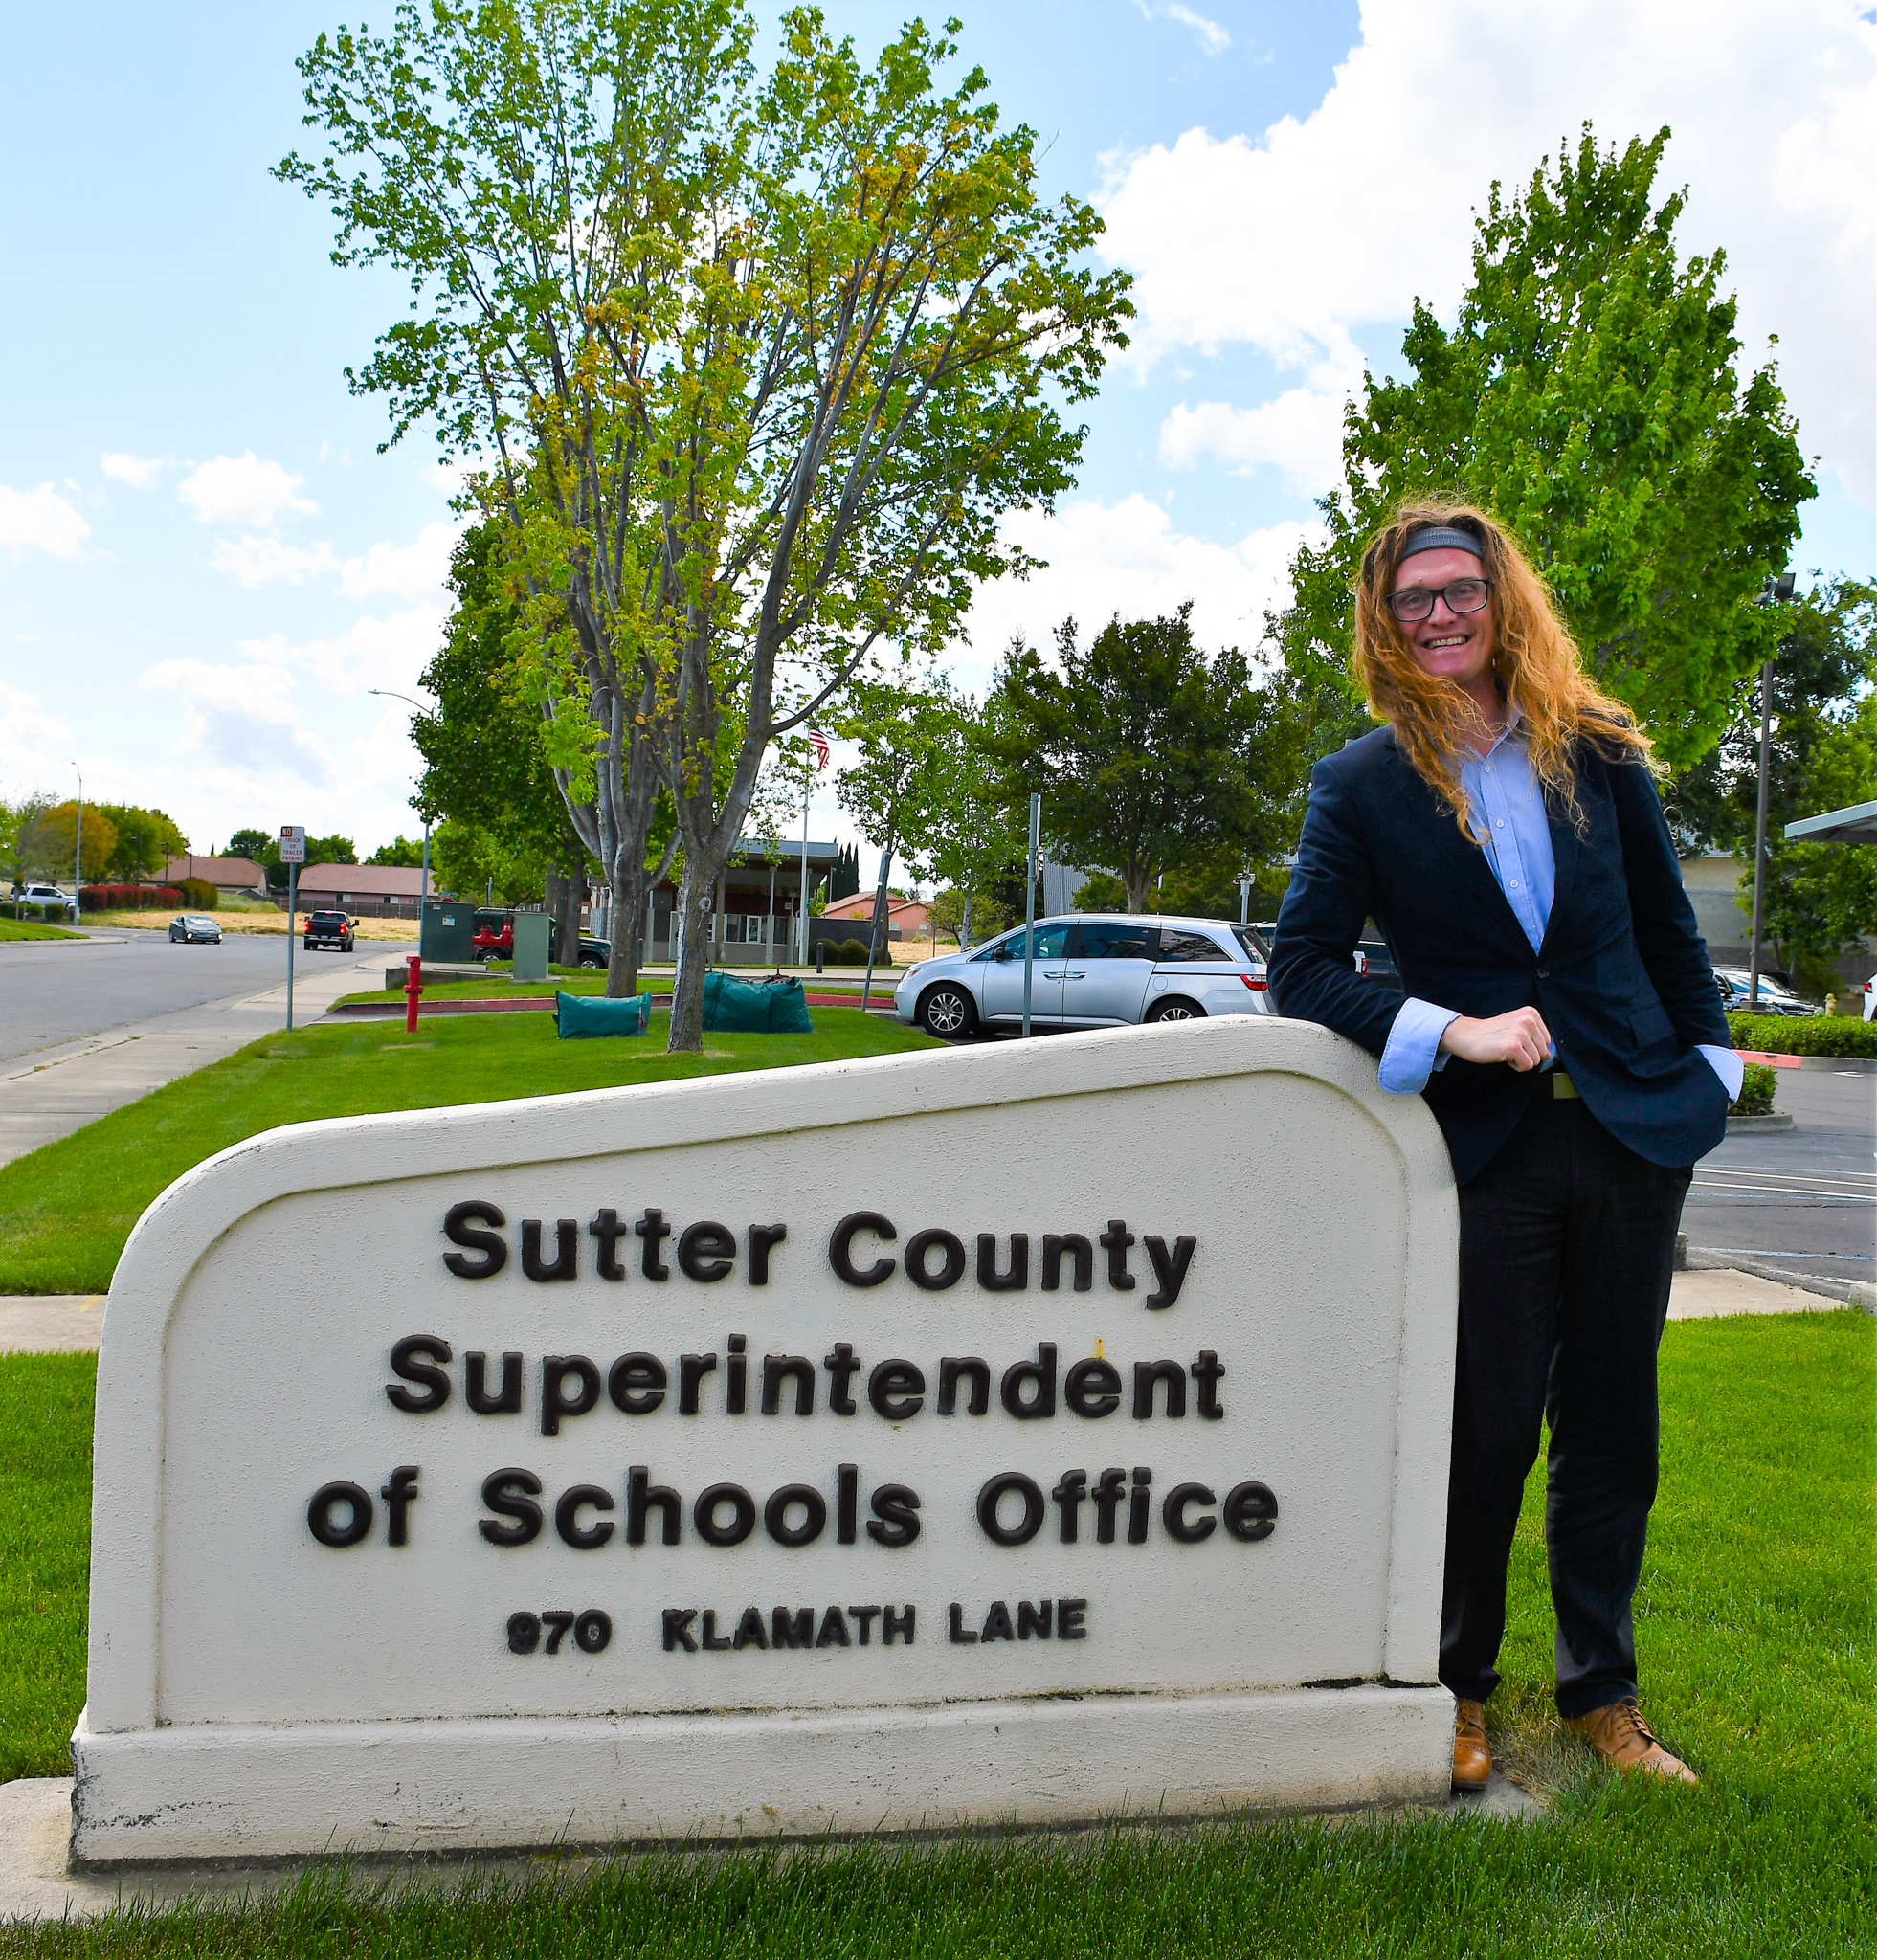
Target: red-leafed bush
column 129, row 897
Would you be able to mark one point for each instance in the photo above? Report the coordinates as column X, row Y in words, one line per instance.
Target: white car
column 1093, row 971
column 40, row 894
column 1867, row 992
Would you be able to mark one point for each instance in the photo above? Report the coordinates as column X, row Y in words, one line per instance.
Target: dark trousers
column 1567, row 1244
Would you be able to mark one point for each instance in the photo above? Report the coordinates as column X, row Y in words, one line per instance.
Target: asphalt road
column 1805, row 1200
column 56, row 991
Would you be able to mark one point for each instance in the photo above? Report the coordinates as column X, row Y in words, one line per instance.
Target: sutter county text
column 1011, row 1508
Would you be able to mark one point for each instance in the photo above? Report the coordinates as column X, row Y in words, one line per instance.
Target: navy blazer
column 1622, row 977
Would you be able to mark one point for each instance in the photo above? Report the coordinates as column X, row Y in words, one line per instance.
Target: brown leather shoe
column 1473, row 1760
column 1619, row 1735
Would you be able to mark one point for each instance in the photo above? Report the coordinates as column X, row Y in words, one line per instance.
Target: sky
column 205, row 562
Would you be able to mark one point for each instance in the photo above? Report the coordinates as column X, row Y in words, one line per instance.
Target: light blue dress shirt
column 1508, row 808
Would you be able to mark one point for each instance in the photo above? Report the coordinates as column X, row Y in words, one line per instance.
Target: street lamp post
column 1776, row 589
column 391, row 694
column 79, row 844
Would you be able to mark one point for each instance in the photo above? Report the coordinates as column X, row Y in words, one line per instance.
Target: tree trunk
column 687, row 1035
column 1137, row 884
column 553, row 901
column 626, row 927
column 573, row 888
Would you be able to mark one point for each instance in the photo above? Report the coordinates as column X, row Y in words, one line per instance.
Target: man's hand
column 1520, row 1039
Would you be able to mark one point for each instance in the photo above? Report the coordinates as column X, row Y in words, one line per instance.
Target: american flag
column 819, row 742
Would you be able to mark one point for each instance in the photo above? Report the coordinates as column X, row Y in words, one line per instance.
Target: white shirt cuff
column 1728, row 1066
column 1414, row 1046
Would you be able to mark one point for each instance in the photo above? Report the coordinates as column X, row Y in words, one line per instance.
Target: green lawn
column 66, row 1208
column 1755, row 1624
column 24, row 928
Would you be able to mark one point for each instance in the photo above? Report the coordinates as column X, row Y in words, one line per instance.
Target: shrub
column 199, row 894
column 129, row 897
column 1804, row 1033
column 1756, row 1087
column 850, row 953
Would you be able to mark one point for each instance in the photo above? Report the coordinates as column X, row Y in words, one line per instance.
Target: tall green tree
column 145, row 840
column 1819, row 899
column 1145, row 750
column 1591, row 396
column 754, row 369
column 487, row 765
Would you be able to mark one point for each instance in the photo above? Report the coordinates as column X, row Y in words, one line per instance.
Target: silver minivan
column 1092, row 970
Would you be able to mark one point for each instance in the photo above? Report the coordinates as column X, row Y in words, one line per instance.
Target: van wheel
column 949, row 1012
column 1175, row 1010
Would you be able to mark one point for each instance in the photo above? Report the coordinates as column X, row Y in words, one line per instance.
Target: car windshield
column 206, row 925
column 1250, row 940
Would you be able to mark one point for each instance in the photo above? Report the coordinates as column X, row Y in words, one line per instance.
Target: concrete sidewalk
column 53, row 1091
column 69, row 1324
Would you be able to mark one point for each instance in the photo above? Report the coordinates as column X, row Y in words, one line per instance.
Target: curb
column 1758, row 1126
column 1841, row 1064
column 1853, row 1293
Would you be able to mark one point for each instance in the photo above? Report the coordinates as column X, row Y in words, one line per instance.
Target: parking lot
column 1804, row 1200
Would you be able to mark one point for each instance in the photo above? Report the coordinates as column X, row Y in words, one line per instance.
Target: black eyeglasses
column 1464, row 595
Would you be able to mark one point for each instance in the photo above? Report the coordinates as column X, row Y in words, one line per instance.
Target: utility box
column 532, row 931
column 446, row 932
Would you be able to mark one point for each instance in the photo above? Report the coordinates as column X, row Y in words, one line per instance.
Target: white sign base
column 904, row 1312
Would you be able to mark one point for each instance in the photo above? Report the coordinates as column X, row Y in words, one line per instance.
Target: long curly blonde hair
column 1535, row 662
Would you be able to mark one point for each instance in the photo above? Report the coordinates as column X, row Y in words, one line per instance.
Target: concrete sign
column 1014, row 1433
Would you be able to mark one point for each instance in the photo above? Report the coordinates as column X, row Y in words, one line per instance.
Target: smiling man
column 1561, row 1020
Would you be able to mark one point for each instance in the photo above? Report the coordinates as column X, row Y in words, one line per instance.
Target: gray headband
column 1442, row 538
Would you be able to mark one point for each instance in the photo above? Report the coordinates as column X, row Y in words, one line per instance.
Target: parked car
column 194, row 929
column 1100, row 970
column 1867, row 992
column 1374, row 958
column 39, row 893
column 1735, row 986
column 327, row 928
column 494, row 939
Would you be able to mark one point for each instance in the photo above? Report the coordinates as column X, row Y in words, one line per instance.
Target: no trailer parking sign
column 1024, row 1432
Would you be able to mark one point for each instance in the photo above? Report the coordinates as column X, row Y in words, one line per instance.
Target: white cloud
column 1211, row 38
column 1300, row 431
column 140, row 472
column 371, row 652
column 407, row 572
column 1128, row 557
column 243, row 489
column 244, row 719
column 254, row 561
column 1296, row 241
column 41, row 520
column 415, row 570
column 35, row 746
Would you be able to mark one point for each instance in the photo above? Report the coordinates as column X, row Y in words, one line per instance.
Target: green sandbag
column 788, row 1007
column 762, row 1007
column 583, row 1016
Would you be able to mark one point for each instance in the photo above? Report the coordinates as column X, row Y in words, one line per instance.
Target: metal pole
column 79, row 843
column 1760, row 831
column 807, row 790
column 293, row 886
column 1030, row 913
column 426, row 890
column 1244, row 901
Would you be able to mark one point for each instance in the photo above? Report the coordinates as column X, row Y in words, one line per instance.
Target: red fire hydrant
column 413, row 986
